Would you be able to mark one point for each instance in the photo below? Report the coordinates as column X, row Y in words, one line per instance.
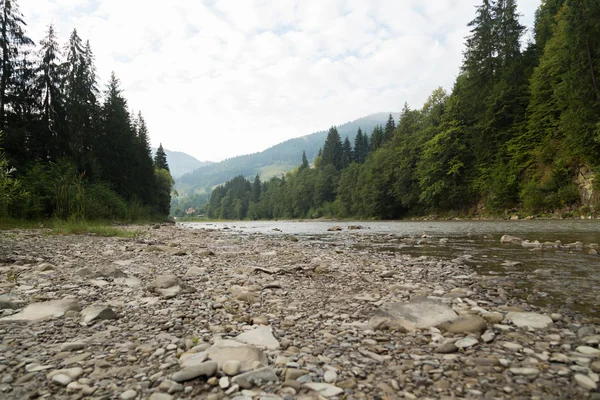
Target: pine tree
column 332, row 150
column 377, row 138
column 256, row 189
column 304, row 164
column 13, row 42
column 80, row 93
column 359, row 157
column 347, row 153
column 160, row 159
column 388, row 133
column 52, row 141
column 144, row 163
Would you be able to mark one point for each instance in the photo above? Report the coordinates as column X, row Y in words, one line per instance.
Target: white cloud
column 221, row 78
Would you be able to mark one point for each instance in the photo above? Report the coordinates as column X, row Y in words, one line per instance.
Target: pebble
column 61, row 379
column 128, row 395
column 232, row 367
column 585, row 382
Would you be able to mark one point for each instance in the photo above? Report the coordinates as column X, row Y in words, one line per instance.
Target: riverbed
column 563, row 279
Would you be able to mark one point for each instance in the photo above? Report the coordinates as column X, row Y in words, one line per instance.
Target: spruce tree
column 304, row 164
column 332, row 150
column 52, row 141
column 256, row 189
column 347, row 153
column 388, row 132
column 377, row 138
column 358, row 147
column 160, row 159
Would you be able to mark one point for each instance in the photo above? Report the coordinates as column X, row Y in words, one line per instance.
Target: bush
column 101, row 202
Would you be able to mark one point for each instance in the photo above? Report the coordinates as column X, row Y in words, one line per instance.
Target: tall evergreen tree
column 160, row 159
column 304, row 164
column 377, row 138
column 256, row 189
column 347, row 153
column 388, row 132
column 332, row 150
column 52, row 141
column 359, row 152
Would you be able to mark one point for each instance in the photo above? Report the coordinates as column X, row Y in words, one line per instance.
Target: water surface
column 565, row 280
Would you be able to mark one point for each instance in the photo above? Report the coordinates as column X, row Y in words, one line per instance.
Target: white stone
column 585, row 382
column 227, row 350
column 232, row 367
column 44, row 310
column 128, row 395
column 97, row 313
column 587, row 350
column 415, row 314
column 259, row 337
column 224, row 382
column 191, row 359
column 61, row 379
column 324, row 389
column 529, row 320
column 466, row 342
column 330, row 376
column 525, row 371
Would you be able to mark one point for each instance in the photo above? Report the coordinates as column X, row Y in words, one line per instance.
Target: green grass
column 78, row 227
column 70, row 227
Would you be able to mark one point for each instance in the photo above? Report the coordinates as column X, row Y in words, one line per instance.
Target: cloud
column 221, row 78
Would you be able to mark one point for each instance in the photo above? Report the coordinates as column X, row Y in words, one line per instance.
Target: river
column 565, row 280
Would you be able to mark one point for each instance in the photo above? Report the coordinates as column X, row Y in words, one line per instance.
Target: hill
column 273, row 161
column 181, row 163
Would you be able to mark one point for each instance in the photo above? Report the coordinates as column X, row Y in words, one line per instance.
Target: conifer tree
column 358, row 147
column 332, row 150
column 388, row 133
column 347, row 153
column 256, row 189
column 52, row 141
column 377, row 138
column 304, row 164
column 160, row 159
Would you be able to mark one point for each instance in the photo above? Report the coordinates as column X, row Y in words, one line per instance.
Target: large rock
column 166, row 285
column 111, row 272
column 324, row 389
column 97, row 313
column 511, row 239
column 261, row 337
column 419, row 313
column 9, row 301
column 262, row 374
column 207, row 369
column 529, row 320
column 465, row 324
column 44, row 310
column 226, row 350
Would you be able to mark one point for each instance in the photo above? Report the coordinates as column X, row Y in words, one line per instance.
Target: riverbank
column 280, row 316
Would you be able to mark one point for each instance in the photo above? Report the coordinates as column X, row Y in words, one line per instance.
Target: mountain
column 273, row 161
column 181, row 163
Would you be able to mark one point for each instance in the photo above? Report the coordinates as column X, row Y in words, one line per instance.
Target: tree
column 377, row 138
column 332, row 150
column 52, row 141
column 160, row 159
column 347, row 153
column 13, row 42
column 256, row 189
column 304, row 164
column 388, row 132
column 359, row 149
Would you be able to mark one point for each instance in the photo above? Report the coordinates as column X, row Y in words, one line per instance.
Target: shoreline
column 310, row 318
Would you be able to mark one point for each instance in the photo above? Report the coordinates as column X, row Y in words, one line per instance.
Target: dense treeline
column 69, row 151
column 520, row 129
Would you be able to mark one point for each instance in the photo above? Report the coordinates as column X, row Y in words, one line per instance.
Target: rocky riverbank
column 180, row 313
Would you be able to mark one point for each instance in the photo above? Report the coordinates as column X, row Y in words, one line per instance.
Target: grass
column 70, row 227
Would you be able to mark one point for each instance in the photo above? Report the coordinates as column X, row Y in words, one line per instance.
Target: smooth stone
column 446, row 348
column 588, row 351
column 330, row 376
column 488, row 337
column 61, row 379
column 465, row 324
column 160, row 396
column 232, row 367
column 529, row 320
column 73, row 373
column 259, row 337
column 493, row 317
column 466, row 342
column 208, row 369
column 419, row 313
column 585, row 382
column 264, row 374
column 512, row 346
column 44, row 310
column 224, row 382
column 595, row 366
column 192, row 359
column 195, row 271
column 324, row 389
column 525, row 371
column 72, row 346
column 128, row 395
column 97, row 313
column 226, row 350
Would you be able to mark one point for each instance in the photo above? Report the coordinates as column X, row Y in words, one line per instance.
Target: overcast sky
column 221, row 78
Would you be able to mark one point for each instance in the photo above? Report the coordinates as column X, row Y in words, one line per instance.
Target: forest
column 70, row 150
column 519, row 131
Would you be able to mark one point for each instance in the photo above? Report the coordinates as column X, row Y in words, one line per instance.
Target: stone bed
column 181, row 313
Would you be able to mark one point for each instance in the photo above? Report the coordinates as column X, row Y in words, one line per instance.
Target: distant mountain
column 181, row 163
column 273, row 161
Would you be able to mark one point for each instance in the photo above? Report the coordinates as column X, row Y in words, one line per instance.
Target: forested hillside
column 69, row 149
column 520, row 129
column 273, row 161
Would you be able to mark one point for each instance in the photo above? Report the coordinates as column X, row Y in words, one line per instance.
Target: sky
column 221, row 78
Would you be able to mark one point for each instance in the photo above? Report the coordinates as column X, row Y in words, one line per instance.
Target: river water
column 563, row 280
